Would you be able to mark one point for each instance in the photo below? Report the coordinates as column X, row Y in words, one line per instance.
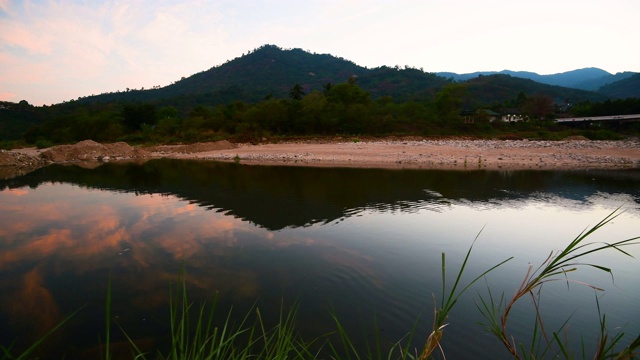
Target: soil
column 409, row 152
column 89, row 150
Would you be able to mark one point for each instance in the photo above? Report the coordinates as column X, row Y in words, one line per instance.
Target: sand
column 432, row 154
column 396, row 153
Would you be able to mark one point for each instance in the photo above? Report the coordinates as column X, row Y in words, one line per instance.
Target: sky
column 58, row 50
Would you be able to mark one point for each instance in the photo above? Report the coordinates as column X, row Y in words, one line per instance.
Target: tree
column 348, row 94
column 296, row 92
column 133, row 116
column 270, row 115
column 448, row 101
column 538, row 106
column 326, row 88
column 168, row 112
column 312, row 109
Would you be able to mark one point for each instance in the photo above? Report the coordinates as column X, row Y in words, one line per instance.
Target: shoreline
column 430, row 154
column 390, row 153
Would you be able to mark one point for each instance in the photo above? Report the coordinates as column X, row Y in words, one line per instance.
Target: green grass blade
column 27, row 353
column 108, row 321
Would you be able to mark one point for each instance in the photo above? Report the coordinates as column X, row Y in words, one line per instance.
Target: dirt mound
column 89, row 150
column 194, row 148
column 15, row 163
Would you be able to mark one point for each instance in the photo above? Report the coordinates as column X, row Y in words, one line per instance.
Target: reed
column 448, row 300
column 556, row 267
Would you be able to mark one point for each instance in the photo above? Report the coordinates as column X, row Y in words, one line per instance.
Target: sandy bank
column 391, row 153
column 433, row 154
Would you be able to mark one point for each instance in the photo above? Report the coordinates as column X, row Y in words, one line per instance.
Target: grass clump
column 195, row 335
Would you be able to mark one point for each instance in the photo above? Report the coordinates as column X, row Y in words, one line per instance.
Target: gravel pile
column 15, row 163
column 89, row 150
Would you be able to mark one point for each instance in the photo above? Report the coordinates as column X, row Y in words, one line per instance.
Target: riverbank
column 393, row 153
column 429, row 154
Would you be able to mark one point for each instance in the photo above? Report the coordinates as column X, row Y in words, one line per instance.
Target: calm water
column 364, row 243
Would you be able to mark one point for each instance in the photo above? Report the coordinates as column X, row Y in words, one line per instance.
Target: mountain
column 628, row 87
column 267, row 71
column 597, row 83
column 401, row 84
column 497, row 88
column 270, row 72
column 585, row 79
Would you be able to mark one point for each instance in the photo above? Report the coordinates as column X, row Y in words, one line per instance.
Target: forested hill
column 490, row 89
column 270, row 71
column 629, row 87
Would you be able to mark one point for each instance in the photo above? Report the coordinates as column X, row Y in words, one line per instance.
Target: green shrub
column 42, row 144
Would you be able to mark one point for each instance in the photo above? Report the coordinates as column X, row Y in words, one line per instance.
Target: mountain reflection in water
column 360, row 241
column 279, row 197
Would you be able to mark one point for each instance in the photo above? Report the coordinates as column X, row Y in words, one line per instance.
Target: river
column 365, row 244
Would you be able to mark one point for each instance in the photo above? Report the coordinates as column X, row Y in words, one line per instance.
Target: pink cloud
column 17, row 192
column 7, row 96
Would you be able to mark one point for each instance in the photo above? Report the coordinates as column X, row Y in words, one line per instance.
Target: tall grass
column 556, row 267
column 195, row 335
column 448, row 300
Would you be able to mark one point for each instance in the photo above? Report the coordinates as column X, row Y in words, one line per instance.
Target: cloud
column 64, row 49
column 116, row 45
column 4, row 6
column 7, row 96
column 33, row 301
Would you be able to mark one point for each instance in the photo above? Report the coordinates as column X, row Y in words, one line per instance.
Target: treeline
column 341, row 109
column 609, row 107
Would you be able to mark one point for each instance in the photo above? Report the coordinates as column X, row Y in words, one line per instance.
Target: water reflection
column 359, row 241
column 279, row 197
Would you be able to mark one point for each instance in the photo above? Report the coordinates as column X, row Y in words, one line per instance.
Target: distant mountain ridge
column 591, row 79
column 270, row 72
